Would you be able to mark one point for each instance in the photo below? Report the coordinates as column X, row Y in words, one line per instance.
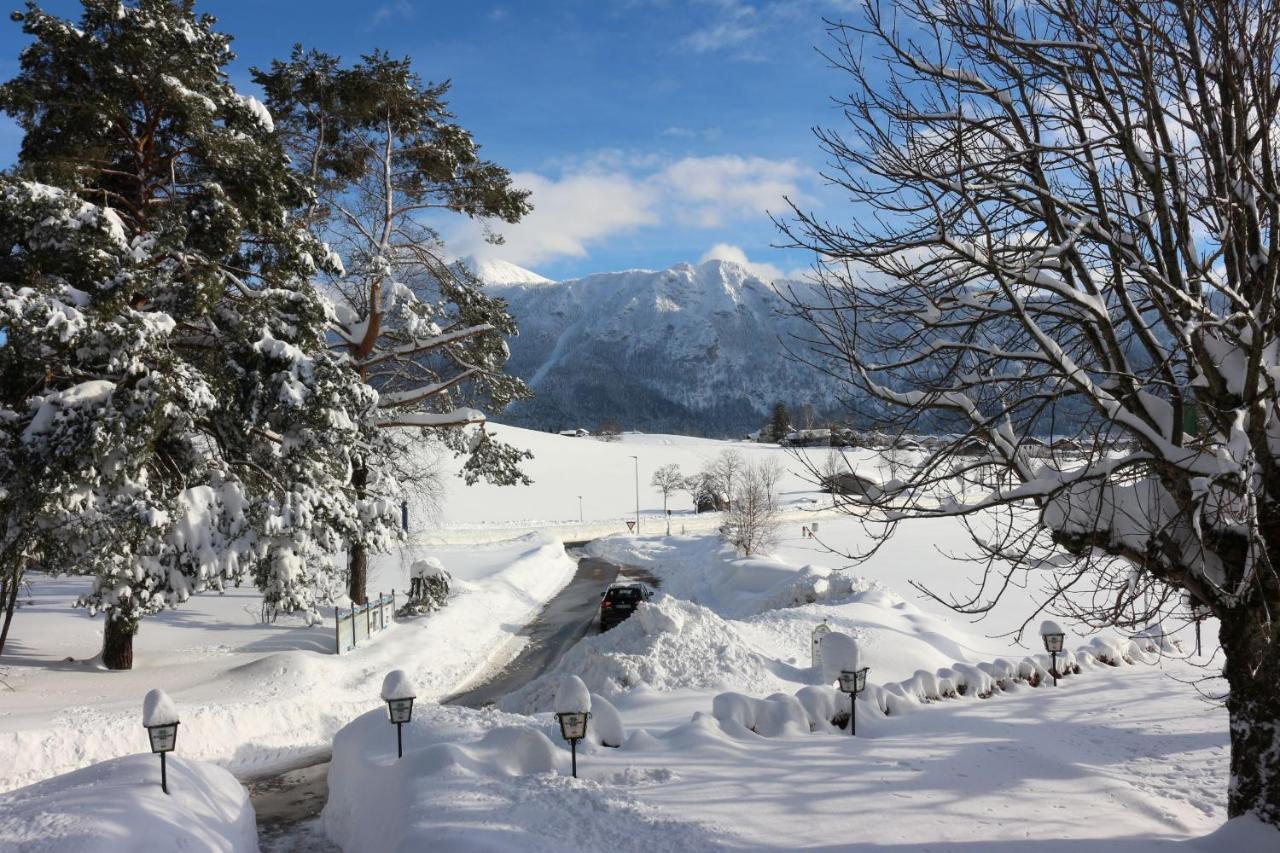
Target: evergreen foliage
column 779, row 423
column 171, row 418
column 381, row 152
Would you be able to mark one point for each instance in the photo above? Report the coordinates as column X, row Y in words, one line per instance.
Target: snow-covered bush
column 428, row 587
column 778, row 715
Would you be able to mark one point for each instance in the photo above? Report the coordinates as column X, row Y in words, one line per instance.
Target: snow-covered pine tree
column 172, row 418
column 382, row 152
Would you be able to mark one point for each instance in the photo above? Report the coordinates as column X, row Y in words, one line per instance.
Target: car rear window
column 623, row 595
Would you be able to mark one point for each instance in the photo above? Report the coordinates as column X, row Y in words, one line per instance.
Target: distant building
column 575, row 433
column 972, row 447
column 807, row 438
column 854, row 484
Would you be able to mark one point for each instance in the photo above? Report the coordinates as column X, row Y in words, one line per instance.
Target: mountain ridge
column 696, row 348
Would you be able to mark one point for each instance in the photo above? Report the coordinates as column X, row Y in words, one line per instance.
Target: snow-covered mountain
column 689, row 349
column 498, row 273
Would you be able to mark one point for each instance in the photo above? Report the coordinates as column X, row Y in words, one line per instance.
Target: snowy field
column 1127, row 758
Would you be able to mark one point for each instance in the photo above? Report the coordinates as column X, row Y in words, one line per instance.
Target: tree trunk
column 9, row 600
column 1250, row 641
column 117, row 642
column 358, row 562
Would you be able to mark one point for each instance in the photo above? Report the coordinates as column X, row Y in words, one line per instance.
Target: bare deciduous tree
column 668, row 480
column 1076, row 203
column 724, row 470
column 751, row 523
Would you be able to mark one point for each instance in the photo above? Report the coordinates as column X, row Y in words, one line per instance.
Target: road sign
column 631, row 525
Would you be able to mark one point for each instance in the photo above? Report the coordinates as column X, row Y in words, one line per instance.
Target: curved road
column 564, row 621
column 288, row 804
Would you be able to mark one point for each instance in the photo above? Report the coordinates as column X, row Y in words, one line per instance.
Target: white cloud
column 568, row 214
column 766, row 271
column 734, row 25
column 609, row 194
column 387, row 11
column 742, row 29
column 713, row 189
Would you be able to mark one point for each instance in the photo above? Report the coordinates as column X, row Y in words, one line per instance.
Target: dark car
column 620, row 601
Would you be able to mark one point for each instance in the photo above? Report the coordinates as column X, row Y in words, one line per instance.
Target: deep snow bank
column 480, row 781
column 706, row 570
column 668, row 644
column 117, row 807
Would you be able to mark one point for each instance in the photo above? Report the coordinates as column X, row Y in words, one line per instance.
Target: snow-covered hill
column 697, row 349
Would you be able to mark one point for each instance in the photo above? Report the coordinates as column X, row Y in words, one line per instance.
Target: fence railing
column 360, row 623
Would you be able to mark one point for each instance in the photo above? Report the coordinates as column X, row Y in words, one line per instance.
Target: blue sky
column 650, row 131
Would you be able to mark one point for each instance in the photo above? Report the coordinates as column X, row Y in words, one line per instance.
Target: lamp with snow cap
column 160, row 719
column 853, row 682
column 573, row 709
column 1053, row 637
column 398, row 693
column 573, row 728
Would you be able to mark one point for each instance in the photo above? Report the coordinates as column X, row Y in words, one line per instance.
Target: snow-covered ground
column 253, row 697
column 1126, row 758
column 1115, row 758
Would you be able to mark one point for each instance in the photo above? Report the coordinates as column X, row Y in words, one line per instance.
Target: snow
column 572, row 696
column 397, row 686
column 158, row 709
column 837, row 652
column 431, row 567
column 93, row 393
column 118, row 807
column 605, row 726
column 712, row 678
column 499, row 273
column 964, row 772
column 256, row 696
column 673, row 349
column 1048, row 626
column 259, row 111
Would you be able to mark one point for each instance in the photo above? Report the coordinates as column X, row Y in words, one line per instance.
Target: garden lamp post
column 398, row 693
column 1053, row 636
column 573, row 728
column 853, row 682
column 1199, row 613
column 160, row 719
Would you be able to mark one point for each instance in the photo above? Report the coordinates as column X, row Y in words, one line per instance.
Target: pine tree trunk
column 9, row 600
column 1251, row 643
column 358, row 562
column 117, row 642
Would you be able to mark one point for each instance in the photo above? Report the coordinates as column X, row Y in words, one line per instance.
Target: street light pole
column 579, row 509
column 637, row 461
